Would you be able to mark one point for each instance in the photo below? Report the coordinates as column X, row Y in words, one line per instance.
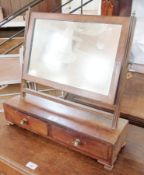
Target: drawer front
column 89, row 145
column 26, row 121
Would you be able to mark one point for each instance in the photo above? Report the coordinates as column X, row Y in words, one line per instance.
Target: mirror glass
column 75, row 54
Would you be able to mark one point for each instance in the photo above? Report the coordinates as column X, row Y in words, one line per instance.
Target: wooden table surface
column 132, row 105
column 18, row 147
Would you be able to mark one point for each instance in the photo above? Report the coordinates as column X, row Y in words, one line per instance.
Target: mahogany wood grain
column 28, row 122
column 18, row 146
column 68, row 125
column 87, row 144
column 47, row 110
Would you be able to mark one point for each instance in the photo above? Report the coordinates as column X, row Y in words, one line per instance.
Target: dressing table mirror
column 81, row 55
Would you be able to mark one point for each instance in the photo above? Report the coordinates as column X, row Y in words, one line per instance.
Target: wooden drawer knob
column 24, row 121
column 76, row 142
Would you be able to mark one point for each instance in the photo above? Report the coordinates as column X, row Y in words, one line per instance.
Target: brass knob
column 24, row 121
column 76, row 142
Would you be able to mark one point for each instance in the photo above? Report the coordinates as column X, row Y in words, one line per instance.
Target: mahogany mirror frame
column 125, row 22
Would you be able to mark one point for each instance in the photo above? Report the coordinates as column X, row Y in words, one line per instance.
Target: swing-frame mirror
column 82, row 55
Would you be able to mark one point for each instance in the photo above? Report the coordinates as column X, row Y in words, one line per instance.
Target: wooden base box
column 80, row 130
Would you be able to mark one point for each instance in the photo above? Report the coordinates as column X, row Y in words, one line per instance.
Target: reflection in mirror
column 80, row 55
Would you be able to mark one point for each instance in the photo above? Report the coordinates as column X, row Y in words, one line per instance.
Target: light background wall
column 93, row 8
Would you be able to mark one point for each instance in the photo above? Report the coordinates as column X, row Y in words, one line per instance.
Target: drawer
column 81, row 142
column 26, row 121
